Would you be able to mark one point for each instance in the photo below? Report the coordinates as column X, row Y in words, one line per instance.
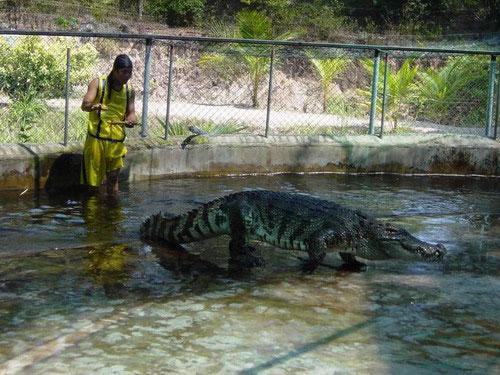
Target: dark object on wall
column 64, row 174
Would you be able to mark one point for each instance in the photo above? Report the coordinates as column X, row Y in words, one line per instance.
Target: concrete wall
column 28, row 166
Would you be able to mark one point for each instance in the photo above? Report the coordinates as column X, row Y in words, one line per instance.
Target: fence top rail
column 151, row 37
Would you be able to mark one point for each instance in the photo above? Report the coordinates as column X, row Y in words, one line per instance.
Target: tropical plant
column 174, row 129
column 249, row 25
column 346, row 105
column 23, row 114
column 66, row 23
column 328, row 70
column 400, row 89
column 441, row 91
column 181, row 127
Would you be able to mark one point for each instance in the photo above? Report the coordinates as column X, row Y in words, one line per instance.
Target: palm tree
column 439, row 90
column 400, row 89
column 327, row 69
column 250, row 24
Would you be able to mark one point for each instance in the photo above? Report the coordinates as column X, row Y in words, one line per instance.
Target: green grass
column 180, row 128
column 47, row 128
column 323, row 130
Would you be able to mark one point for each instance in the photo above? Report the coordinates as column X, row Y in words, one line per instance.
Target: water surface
column 80, row 293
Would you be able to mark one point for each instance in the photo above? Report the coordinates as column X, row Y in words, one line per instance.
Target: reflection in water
column 109, row 264
column 103, row 217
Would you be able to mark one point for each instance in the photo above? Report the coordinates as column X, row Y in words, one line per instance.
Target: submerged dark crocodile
column 294, row 222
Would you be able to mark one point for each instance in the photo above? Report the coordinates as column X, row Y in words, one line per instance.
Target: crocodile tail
column 150, row 227
column 198, row 224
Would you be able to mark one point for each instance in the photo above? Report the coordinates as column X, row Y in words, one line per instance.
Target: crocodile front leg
column 351, row 263
column 316, row 250
column 240, row 226
column 240, row 254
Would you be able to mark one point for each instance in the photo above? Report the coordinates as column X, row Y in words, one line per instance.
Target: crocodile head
column 398, row 243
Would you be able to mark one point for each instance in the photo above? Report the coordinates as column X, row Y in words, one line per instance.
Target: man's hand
column 126, row 123
column 98, row 106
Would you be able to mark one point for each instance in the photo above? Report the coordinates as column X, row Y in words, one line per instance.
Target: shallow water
column 80, row 293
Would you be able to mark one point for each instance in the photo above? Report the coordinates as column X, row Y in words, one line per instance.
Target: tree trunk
column 141, row 8
column 255, row 94
column 326, row 91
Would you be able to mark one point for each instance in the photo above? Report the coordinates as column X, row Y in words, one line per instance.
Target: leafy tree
column 31, row 70
column 31, row 65
column 28, row 67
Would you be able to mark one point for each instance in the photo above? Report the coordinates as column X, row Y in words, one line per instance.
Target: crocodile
column 291, row 221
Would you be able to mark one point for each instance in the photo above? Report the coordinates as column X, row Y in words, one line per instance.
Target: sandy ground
column 256, row 118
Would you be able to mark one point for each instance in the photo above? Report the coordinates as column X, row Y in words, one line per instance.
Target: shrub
column 31, row 65
column 176, row 12
column 66, row 23
column 23, row 113
column 83, row 59
column 27, row 66
column 346, row 105
column 101, row 10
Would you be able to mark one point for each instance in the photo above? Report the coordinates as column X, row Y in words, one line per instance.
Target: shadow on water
column 276, row 361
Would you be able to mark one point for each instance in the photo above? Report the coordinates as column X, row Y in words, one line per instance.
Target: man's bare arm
column 130, row 116
column 88, row 104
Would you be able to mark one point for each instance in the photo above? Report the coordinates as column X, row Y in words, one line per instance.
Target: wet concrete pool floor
column 80, row 293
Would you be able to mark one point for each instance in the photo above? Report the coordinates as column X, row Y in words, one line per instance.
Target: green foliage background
column 31, row 66
column 446, row 90
column 317, row 19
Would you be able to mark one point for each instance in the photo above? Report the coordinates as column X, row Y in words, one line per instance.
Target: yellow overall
column 104, row 149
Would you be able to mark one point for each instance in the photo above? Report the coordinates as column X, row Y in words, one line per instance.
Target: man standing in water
column 110, row 103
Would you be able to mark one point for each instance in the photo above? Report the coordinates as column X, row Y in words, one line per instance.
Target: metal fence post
column 269, row 92
column 169, row 88
column 498, row 106
column 491, row 95
column 384, row 96
column 66, row 93
column 373, row 108
column 145, row 93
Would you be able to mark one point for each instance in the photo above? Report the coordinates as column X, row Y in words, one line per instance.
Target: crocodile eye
column 390, row 229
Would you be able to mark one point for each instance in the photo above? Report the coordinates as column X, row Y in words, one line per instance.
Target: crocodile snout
column 439, row 252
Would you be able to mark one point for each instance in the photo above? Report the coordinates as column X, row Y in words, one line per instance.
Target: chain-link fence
column 221, row 86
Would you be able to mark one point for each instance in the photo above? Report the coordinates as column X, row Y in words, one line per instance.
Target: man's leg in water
column 112, row 182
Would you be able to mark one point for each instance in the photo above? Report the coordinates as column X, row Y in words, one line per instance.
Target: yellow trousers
column 99, row 158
